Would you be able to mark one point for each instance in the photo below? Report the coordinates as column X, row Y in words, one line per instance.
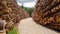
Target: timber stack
column 12, row 13
column 47, row 13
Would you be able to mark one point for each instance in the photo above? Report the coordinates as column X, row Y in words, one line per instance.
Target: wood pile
column 11, row 12
column 47, row 13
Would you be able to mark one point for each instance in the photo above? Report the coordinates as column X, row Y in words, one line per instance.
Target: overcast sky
column 27, row 3
column 24, row 1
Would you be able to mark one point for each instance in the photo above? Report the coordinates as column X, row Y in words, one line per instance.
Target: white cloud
column 29, row 4
column 19, row 4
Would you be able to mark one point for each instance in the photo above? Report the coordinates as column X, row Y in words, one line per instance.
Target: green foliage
column 29, row 10
column 14, row 31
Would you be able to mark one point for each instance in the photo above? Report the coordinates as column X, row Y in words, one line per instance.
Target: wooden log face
column 2, row 24
column 2, row 27
column 47, row 13
column 2, row 31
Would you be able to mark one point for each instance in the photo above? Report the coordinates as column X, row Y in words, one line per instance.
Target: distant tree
column 22, row 6
column 29, row 10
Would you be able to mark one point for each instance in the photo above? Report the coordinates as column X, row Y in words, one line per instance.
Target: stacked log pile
column 47, row 13
column 11, row 12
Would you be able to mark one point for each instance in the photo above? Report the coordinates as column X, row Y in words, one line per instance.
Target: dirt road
column 28, row 26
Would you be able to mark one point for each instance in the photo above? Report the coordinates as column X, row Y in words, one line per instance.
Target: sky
column 26, row 3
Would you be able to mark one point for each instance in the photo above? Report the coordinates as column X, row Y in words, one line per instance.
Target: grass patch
column 14, row 31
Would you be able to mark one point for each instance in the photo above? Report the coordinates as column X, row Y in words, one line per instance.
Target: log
column 2, row 27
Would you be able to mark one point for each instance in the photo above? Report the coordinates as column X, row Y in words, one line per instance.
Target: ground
column 28, row 26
